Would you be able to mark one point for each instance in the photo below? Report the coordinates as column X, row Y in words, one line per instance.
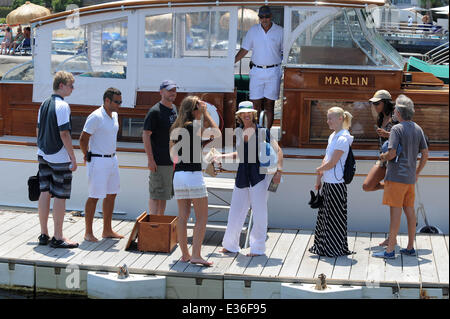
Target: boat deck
column 288, row 259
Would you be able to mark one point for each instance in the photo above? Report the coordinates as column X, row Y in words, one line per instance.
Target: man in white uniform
column 99, row 137
column 266, row 42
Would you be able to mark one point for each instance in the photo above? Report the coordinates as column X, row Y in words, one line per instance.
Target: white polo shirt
column 103, row 130
column 62, row 110
column 267, row 48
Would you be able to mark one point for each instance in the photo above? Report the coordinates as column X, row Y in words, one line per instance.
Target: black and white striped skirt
column 330, row 237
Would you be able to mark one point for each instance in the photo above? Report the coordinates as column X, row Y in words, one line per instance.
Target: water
column 29, row 294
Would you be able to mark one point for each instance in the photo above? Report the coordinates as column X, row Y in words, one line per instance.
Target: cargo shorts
column 161, row 183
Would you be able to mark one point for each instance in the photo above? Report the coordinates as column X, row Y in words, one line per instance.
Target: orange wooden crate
column 157, row 233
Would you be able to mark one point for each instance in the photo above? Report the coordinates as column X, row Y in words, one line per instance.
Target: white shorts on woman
column 189, row 185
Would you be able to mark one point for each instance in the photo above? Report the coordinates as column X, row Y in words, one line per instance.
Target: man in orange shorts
column 402, row 173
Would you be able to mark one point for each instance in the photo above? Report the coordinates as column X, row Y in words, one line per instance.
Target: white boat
column 332, row 56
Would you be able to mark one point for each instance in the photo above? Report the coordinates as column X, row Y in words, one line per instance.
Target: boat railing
column 438, row 55
column 403, row 29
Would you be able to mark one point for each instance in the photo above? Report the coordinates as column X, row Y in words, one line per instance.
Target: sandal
column 61, row 244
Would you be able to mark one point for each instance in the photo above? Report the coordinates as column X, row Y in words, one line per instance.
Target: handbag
column 316, row 201
column 33, row 188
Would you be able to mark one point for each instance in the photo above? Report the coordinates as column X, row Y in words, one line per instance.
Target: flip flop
column 201, row 263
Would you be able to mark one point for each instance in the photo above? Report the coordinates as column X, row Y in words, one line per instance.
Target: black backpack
column 349, row 167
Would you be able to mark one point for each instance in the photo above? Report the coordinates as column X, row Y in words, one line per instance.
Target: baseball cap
column 381, row 95
column 264, row 10
column 245, row 106
column 168, row 85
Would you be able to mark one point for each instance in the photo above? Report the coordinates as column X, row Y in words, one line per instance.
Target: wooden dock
column 287, row 258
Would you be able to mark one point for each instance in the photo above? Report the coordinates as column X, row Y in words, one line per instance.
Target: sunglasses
column 264, row 16
column 117, row 102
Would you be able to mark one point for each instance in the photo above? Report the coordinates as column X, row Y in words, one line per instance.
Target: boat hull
column 288, row 207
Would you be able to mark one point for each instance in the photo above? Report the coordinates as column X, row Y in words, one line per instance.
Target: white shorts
column 103, row 176
column 265, row 83
column 188, row 185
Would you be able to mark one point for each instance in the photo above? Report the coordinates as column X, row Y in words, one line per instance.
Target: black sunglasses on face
column 117, row 102
column 264, row 16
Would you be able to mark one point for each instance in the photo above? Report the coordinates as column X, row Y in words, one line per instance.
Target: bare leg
column 257, row 105
column 373, row 179
column 156, row 206
column 201, row 217
column 108, row 209
column 184, row 210
column 89, row 212
column 396, row 214
column 269, row 106
column 411, row 220
column 59, row 209
column 44, row 211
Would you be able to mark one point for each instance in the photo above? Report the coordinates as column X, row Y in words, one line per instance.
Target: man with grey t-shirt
column 402, row 173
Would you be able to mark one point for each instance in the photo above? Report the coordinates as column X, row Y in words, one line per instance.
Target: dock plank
column 10, row 224
column 410, row 264
column 360, row 260
column 9, row 237
column 287, row 254
column 376, row 266
column 309, row 262
column 118, row 247
column 209, row 246
column 67, row 255
column 393, row 270
column 257, row 263
column 175, row 256
column 295, row 254
column 280, row 251
column 20, row 240
column 425, row 257
column 440, row 253
column 180, row 265
column 93, row 258
column 343, row 264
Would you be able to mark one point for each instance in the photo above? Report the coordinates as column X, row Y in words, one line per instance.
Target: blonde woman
column 188, row 184
column 330, row 238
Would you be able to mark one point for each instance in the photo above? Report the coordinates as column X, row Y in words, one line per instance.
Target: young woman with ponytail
column 330, row 238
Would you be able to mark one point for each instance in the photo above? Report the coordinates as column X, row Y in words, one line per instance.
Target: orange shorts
column 398, row 194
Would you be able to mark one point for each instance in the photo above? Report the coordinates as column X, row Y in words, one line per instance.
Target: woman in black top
column 189, row 186
column 384, row 106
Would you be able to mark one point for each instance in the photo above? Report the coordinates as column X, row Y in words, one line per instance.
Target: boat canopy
column 142, row 44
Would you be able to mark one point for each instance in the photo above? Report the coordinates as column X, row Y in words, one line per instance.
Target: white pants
column 241, row 201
